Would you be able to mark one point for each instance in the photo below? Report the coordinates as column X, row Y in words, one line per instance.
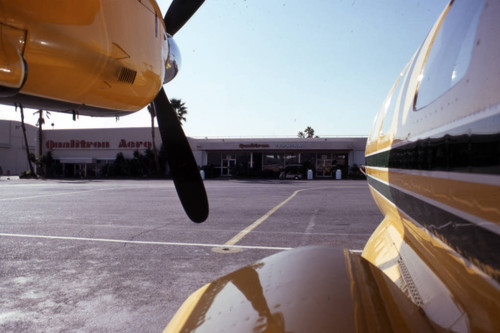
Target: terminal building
column 84, row 152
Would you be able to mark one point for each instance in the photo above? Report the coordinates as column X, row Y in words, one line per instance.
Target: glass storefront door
column 323, row 168
column 227, row 166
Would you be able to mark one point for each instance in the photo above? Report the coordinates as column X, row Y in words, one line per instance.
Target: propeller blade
column 185, row 173
column 179, row 12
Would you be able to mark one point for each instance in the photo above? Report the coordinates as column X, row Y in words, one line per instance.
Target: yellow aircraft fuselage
column 433, row 165
column 93, row 57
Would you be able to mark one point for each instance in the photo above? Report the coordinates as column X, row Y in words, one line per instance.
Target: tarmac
column 121, row 255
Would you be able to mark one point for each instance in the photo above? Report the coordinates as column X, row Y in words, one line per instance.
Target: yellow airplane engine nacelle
column 91, row 57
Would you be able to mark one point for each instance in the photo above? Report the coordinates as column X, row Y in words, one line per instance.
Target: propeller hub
column 173, row 61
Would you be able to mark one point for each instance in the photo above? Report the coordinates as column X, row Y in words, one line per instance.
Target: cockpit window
column 450, row 52
column 391, row 104
column 385, row 115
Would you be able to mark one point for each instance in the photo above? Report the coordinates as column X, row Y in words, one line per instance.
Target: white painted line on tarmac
column 145, row 242
column 264, row 217
column 51, row 195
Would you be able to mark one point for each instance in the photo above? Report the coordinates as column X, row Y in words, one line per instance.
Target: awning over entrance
column 77, row 160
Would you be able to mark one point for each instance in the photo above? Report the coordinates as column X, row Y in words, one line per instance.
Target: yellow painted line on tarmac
column 264, row 217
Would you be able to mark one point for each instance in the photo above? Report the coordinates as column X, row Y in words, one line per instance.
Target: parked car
column 292, row 171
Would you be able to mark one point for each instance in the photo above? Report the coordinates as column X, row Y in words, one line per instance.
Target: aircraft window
column 450, row 52
column 391, row 104
column 383, row 120
column 377, row 123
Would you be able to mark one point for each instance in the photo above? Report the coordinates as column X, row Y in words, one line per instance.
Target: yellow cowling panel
column 91, row 52
column 12, row 68
column 302, row 290
column 310, row 289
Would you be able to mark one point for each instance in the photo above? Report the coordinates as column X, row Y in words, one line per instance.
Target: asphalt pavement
column 121, row 255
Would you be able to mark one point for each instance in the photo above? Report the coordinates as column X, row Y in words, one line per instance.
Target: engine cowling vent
column 127, row 75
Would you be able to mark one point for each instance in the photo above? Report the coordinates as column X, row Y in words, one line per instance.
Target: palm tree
column 40, row 123
column 180, row 108
column 152, row 113
column 26, row 140
column 307, row 133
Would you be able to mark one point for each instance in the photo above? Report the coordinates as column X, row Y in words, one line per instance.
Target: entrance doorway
column 227, row 165
column 324, row 168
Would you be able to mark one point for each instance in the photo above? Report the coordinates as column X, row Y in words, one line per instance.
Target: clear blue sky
column 271, row 68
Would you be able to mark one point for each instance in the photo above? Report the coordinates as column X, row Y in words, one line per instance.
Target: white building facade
column 13, row 156
column 84, row 152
